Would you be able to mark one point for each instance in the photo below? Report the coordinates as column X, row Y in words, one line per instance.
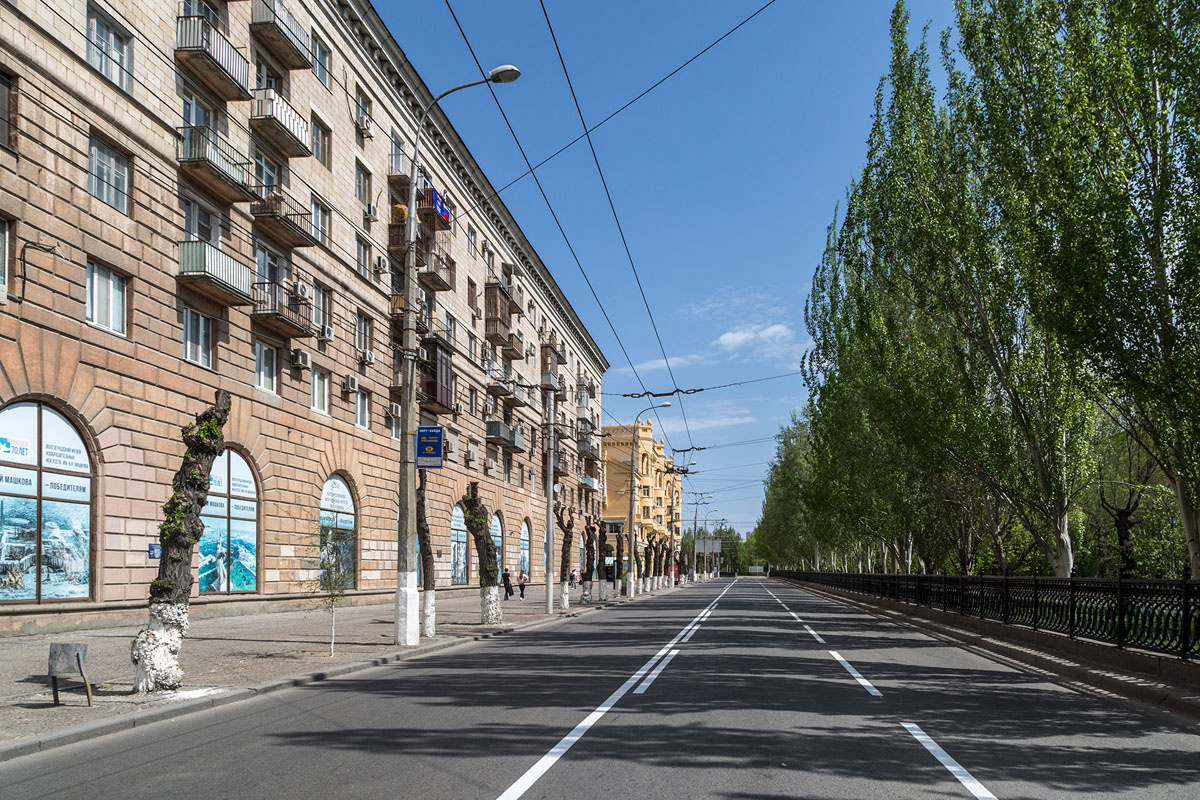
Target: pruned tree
column 477, row 519
column 155, row 649
column 428, row 576
column 589, row 567
column 602, row 553
column 566, row 522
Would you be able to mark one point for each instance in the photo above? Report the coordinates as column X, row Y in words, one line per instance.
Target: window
column 321, row 60
column 362, row 184
column 472, row 295
column 321, row 306
column 265, row 76
column 362, row 105
column 320, row 391
column 458, row 546
column 197, row 112
column 362, row 409
column 320, row 221
column 200, row 223
column 270, row 266
column 645, row 491
column 449, row 329
column 108, row 175
column 472, row 399
column 229, row 545
column 470, row 347
column 471, row 239
column 266, row 362
column 645, row 512
column 320, row 142
column 524, row 561
column 8, row 110
column 4, row 226
column 46, row 497
column 197, row 337
column 338, row 543
column 362, row 256
column 394, row 426
column 497, row 532
column 105, row 298
column 109, row 49
column 364, row 330
column 266, row 171
column 399, row 165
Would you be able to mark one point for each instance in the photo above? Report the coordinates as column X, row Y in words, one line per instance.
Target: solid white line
column 658, row 670
column 531, row 776
column 965, row 778
column 815, row 635
column 866, row 684
column 687, row 638
column 795, row 616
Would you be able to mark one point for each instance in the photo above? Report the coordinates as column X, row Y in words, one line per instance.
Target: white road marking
column 866, row 684
column 531, row 776
column 815, row 635
column 796, row 616
column 965, row 778
column 661, row 666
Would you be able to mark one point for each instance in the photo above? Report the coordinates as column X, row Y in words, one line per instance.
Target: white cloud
column 675, row 424
column 677, row 362
column 759, row 335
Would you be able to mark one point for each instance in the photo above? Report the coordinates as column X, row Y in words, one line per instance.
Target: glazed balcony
column 279, row 309
column 438, row 334
column 273, row 119
column 396, row 306
column 511, row 294
column 215, row 274
column 211, row 58
column 285, row 38
column 499, row 433
column 433, row 395
column 282, row 218
column 496, row 331
column 209, row 160
column 434, row 274
column 549, row 378
column 519, row 397
column 514, row 346
column 517, row 442
column 588, row 482
column 588, row 449
column 499, row 382
column 400, row 175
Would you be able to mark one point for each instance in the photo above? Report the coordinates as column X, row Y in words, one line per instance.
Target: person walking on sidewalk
column 522, row 578
column 507, row 578
column 574, row 573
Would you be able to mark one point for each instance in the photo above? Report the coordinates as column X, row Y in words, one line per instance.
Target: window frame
column 5, row 257
column 99, row 55
column 364, row 331
column 320, row 221
column 120, row 162
column 8, row 103
column 362, row 256
column 322, row 68
column 266, row 380
column 322, row 306
column 322, row 384
column 362, row 409
column 204, row 325
column 322, row 141
column 98, row 275
column 362, row 183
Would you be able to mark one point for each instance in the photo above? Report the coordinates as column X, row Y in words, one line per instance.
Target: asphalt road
column 732, row 689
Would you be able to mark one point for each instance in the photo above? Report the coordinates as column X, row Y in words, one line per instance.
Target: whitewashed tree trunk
column 564, row 595
column 489, row 600
column 332, row 626
column 586, row 597
column 429, row 613
column 155, row 650
column 603, row 591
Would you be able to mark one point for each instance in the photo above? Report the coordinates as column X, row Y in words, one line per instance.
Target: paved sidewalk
column 227, row 653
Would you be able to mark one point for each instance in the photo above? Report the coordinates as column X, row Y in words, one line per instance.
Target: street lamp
column 676, row 547
column 709, row 551
column 407, row 632
column 630, row 591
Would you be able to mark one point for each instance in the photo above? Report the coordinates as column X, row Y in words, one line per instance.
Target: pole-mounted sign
column 430, row 445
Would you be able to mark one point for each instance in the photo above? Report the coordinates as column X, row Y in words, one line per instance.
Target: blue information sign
column 155, row 551
column 430, row 439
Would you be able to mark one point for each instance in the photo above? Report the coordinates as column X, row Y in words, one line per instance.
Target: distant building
column 206, row 195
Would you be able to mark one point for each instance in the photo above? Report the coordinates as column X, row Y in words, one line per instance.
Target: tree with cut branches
column 428, row 576
column 566, row 523
column 589, row 567
column 478, row 520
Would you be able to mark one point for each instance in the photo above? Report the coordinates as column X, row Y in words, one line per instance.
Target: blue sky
column 724, row 179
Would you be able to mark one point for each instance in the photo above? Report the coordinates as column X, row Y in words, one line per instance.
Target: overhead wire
column 677, row 390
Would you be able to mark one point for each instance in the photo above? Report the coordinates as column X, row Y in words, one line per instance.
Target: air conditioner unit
column 367, row 357
column 449, row 446
column 326, row 334
column 489, row 466
column 363, row 123
column 458, row 408
column 478, row 313
column 394, row 411
column 472, row 454
column 371, row 213
column 302, row 291
column 381, row 265
column 301, row 359
column 350, row 384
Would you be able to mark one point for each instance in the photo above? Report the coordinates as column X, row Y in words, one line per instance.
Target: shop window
column 338, row 528
column 45, row 507
column 229, row 546
column 458, row 547
column 525, row 545
column 498, row 540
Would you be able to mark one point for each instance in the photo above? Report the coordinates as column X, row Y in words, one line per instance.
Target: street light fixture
column 630, row 592
column 406, row 629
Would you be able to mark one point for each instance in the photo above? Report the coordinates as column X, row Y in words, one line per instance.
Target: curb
column 1173, row 698
column 91, row 730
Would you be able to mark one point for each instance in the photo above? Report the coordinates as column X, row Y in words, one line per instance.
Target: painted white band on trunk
column 965, row 778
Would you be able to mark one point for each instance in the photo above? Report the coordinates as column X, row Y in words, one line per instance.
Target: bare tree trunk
column 428, row 577
column 601, row 549
column 566, row 522
column 1185, row 502
column 155, row 650
column 478, row 525
column 589, row 570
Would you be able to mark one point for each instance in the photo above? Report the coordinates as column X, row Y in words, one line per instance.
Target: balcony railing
column 433, row 210
column 519, row 396
column 435, row 274
column 284, row 35
column 282, row 310
column 498, row 432
column 499, row 381
column 215, row 273
column 496, row 331
column 400, row 175
column 514, row 346
column 212, row 162
column 517, row 442
column 282, row 217
column 438, row 333
column 588, row 482
column 212, row 58
column 433, row 395
column 273, row 119
column 589, row 450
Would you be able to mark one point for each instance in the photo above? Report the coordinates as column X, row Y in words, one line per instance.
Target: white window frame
column 322, row 141
column 197, row 338
column 319, row 390
column 321, row 66
column 364, row 331
column 107, row 299
column 362, row 183
column 320, row 221
column 362, row 256
column 362, row 408
column 322, row 304
column 266, row 367
column 113, row 188
column 109, row 49
column 5, row 227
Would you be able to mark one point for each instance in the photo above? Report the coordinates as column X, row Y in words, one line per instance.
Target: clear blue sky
column 724, row 178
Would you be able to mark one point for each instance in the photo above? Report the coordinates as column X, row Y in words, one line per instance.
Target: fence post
column 1035, row 599
column 981, row 614
column 1071, row 622
column 962, row 594
column 1185, row 618
column 1120, row 611
column 1005, row 586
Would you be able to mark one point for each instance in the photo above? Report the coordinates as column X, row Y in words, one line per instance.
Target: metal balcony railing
column 206, row 261
column 221, row 66
column 274, row 300
column 287, row 218
column 288, row 130
column 275, row 23
column 201, row 144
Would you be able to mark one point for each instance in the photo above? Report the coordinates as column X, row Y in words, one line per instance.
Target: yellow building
column 656, row 498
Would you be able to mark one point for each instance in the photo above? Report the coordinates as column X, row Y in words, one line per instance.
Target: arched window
column 229, row 546
column 458, row 546
column 645, row 464
column 525, row 545
column 498, row 540
column 45, row 507
column 337, row 526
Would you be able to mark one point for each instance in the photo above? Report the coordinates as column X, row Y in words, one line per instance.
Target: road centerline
column 957, row 770
column 662, row 664
column 866, row 684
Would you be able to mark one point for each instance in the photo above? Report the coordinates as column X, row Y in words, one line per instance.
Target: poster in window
column 18, row 548
column 243, row 544
column 65, row 537
column 213, row 549
column 18, row 434
column 61, row 446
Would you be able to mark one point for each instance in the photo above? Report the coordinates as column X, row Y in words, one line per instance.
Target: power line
column 679, row 391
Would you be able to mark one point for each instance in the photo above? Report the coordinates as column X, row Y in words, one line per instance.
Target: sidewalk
column 258, row 652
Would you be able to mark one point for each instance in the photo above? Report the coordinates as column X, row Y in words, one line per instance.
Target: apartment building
column 213, row 195
column 656, row 495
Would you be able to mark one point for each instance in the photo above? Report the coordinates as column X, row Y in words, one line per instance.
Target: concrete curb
column 90, row 730
column 1172, row 696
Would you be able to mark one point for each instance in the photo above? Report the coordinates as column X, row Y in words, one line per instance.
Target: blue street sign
column 430, row 440
column 155, row 551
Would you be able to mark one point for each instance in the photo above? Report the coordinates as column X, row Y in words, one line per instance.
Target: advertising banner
column 430, row 441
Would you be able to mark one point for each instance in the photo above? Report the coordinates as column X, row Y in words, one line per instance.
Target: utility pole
column 550, row 456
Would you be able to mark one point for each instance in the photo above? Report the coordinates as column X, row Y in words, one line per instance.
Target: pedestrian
column 507, row 578
column 521, row 580
column 573, row 573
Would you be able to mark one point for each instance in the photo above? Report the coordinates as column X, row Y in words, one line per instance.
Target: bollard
column 67, row 660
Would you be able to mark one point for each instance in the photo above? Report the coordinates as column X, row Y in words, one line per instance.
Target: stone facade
column 202, row 122
column 657, row 487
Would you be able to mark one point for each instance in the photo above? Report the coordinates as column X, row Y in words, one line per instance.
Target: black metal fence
column 1162, row 616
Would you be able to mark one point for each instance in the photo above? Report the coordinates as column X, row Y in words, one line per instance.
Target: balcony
column 555, row 348
column 498, row 432
column 588, row 449
column 560, row 463
column 517, row 442
column 496, row 331
column 275, row 121
column 282, row 217
column 514, row 346
column 279, row 309
column 434, row 275
column 499, row 382
column 508, row 292
column 400, row 175
column 210, row 161
column 396, row 306
column 519, row 397
column 432, row 210
column 588, row 482
column 550, row 378
column 583, row 413
column 212, row 58
column 215, row 274
column 434, row 396
column 437, row 334
column 283, row 35
column 397, row 238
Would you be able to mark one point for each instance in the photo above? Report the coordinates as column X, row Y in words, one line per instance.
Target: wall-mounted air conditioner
column 371, row 213
column 366, row 357
column 326, row 334
column 301, row 359
column 394, row 411
column 350, row 384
